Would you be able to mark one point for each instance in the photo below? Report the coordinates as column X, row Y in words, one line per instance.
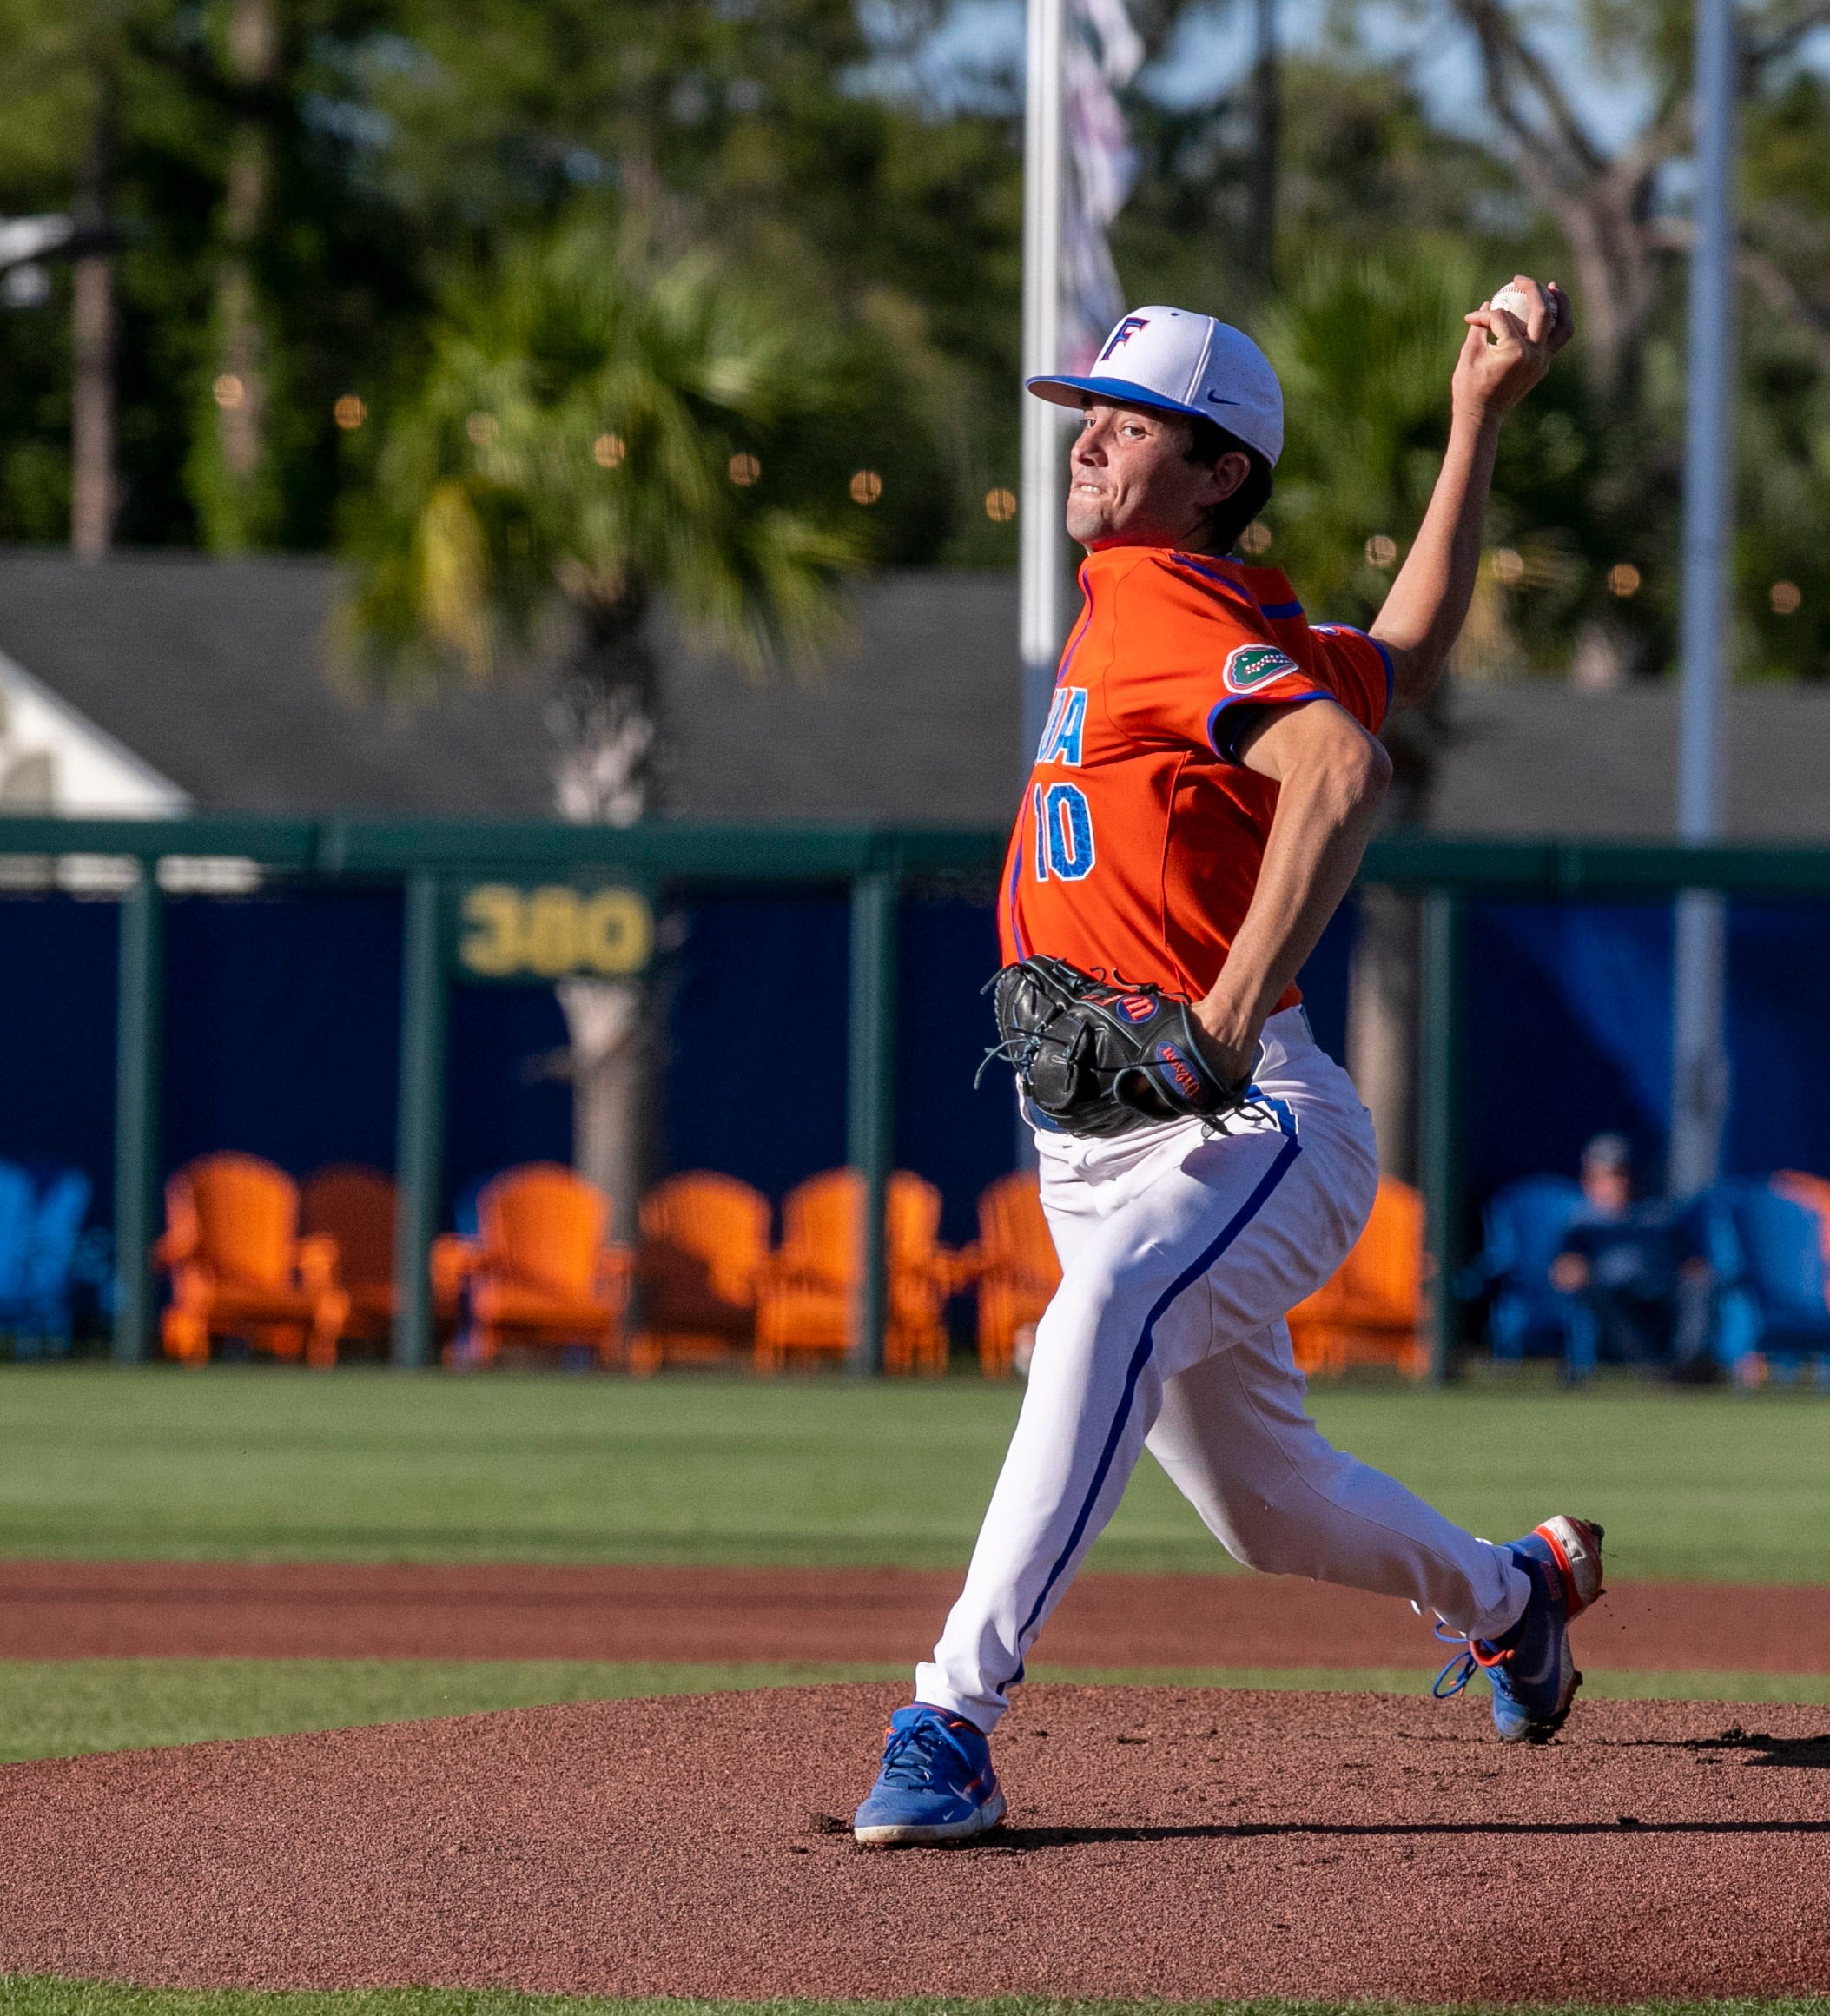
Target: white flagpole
column 1043, row 480
column 1699, row 1060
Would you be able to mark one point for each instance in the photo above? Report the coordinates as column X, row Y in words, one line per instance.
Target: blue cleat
column 1529, row 1671
column 936, row 1783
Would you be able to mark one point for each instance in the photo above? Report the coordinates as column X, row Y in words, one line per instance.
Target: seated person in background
column 1637, row 1265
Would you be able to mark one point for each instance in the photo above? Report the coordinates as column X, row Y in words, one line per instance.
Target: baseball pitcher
column 1207, row 782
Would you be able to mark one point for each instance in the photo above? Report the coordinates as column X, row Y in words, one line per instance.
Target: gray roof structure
column 914, row 720
column 216, row 674
column 1544, row 758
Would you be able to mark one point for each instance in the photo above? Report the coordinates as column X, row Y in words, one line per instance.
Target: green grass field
column 260, row 1463
column 257, row 1462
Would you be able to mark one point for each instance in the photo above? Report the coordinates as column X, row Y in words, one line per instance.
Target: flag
column 1100, row 55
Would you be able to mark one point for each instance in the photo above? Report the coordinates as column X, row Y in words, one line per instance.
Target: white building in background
column 54, row 758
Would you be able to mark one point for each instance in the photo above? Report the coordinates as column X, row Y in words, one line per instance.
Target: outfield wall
column 282, row 1032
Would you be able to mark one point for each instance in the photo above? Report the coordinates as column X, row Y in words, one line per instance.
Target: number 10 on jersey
column 1064, row 847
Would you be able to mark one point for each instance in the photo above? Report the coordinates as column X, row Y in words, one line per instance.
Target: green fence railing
column 433, row 859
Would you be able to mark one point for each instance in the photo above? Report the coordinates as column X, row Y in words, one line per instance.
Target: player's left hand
column 1504, row 357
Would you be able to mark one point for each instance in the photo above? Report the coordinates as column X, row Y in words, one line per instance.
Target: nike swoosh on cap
column 1220, row 398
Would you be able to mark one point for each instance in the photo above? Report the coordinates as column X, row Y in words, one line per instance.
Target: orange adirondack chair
column 705, row 1238
column 239, row 1269
column 545, row 1271
column 354, row 1206
column 806, row 1290
column 1371, row 1311
column 1014, row 1264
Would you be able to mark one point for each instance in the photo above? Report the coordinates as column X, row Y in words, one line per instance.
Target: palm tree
column 602, row 425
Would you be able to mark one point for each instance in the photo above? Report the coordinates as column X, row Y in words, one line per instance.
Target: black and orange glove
column 1100, row 1059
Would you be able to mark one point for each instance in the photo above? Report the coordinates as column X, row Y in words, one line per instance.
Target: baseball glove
column 1099, row 1058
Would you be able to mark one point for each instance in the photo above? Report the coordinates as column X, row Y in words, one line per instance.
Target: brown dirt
column 1163, row 1842
column 56, row 1610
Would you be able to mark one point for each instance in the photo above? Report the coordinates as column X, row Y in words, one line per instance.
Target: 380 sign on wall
column 549, row 933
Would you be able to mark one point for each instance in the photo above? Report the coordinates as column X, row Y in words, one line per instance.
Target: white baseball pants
column 1181, row 1254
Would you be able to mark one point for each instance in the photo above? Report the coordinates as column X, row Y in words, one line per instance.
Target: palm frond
column 575, row 435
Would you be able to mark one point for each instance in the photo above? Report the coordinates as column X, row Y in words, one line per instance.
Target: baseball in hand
column 1516, row 302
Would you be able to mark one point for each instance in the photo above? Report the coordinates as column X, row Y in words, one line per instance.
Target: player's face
column 1130, row 482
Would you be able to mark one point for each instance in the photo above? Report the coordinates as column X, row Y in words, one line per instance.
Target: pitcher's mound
column 1161, row 1843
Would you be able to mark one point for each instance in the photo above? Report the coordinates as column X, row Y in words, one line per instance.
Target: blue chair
column 52, row 1270
column 17, row 1211
column 1767, row 1254
column 1525, row 1226
column 42, row 1255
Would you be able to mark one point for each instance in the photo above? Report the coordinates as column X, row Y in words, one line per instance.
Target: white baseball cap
column 1185, row 363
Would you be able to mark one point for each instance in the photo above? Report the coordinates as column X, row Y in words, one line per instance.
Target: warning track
column 1163, row 1842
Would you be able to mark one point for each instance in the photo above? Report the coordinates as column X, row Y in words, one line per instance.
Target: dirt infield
column 1163, row 1842
column 57, row 1609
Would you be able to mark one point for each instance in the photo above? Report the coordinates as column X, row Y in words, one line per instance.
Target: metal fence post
column 139, row 1056
column 1439, row 1121
column 870, row 1106
column 419, row 1151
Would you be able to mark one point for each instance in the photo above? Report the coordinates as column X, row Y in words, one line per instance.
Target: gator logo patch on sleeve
column 1253, row 664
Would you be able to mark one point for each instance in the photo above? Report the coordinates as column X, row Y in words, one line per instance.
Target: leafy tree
column 291, row 175
column 142, row 109
column 1626, row 241
column 602, row 425
column 750, row 125
column 63, row 72
column 600, row 421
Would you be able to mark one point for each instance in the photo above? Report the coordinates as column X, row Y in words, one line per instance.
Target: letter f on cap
column 1122, row 335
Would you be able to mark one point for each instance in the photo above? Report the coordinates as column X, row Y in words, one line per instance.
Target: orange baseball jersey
column 1141, row 836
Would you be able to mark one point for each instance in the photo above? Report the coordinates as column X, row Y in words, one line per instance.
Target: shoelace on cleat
column 912, row 1754
column 1476, row 1655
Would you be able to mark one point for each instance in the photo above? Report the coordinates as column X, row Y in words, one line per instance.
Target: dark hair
column 1207, row 442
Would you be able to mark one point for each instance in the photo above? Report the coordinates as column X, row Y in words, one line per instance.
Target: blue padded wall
column 283, row 1013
